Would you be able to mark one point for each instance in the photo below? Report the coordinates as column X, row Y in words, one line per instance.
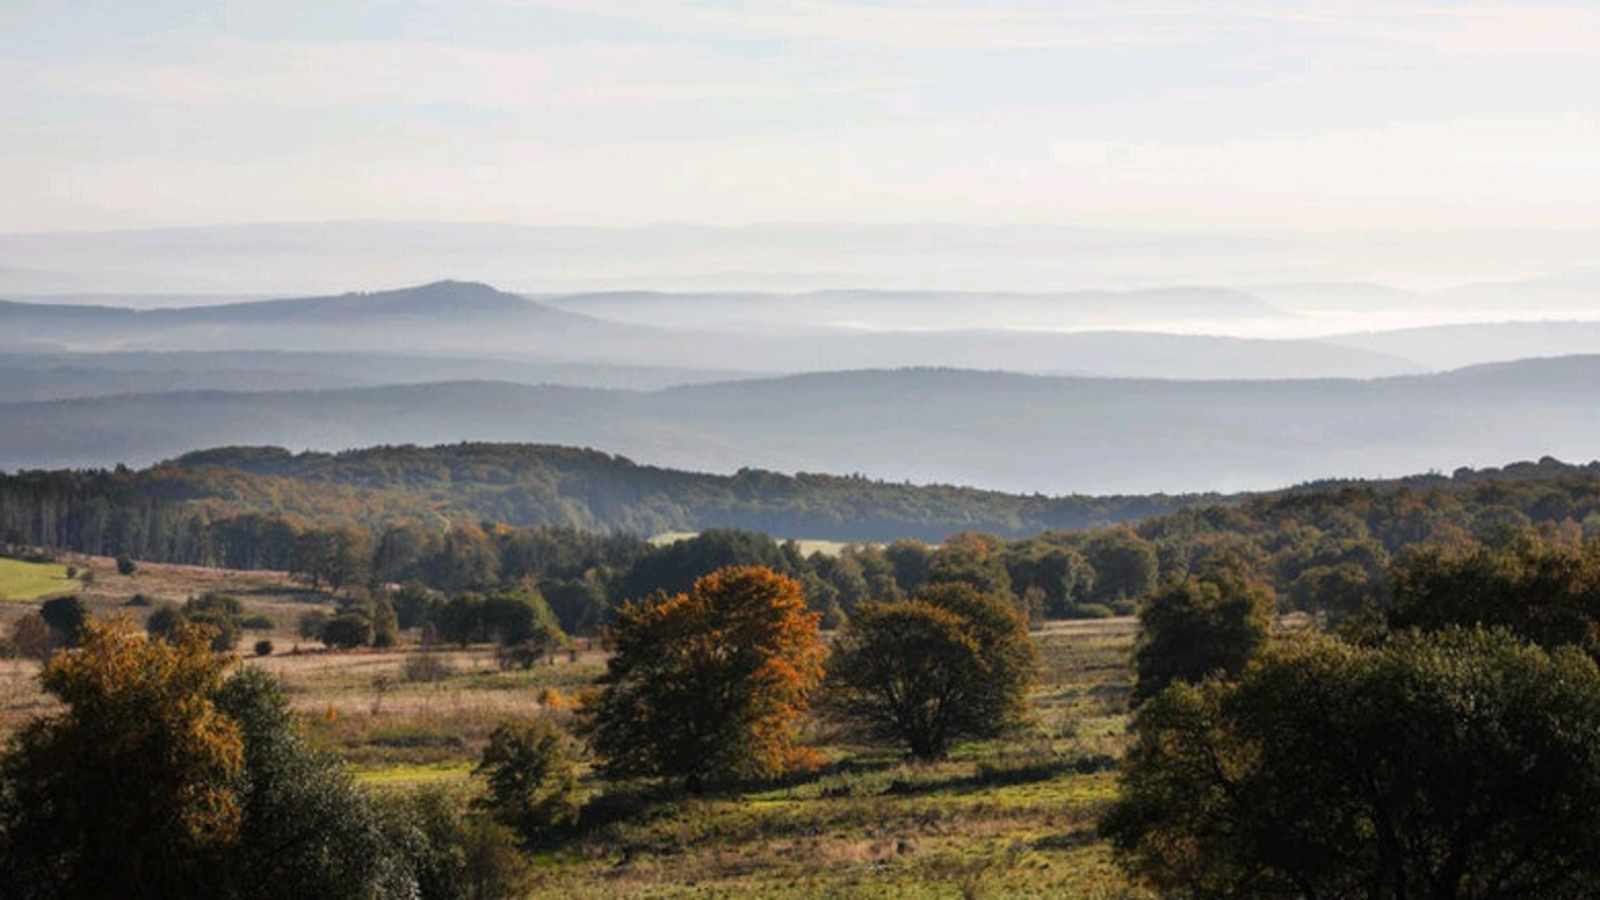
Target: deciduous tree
column 951, row 663
column 711, row 683
column 1463, row 764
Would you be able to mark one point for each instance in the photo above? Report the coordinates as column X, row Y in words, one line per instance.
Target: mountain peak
column 437, row 296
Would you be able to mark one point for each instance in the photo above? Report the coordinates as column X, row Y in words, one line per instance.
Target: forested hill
column 524, row 484
column 168, row 511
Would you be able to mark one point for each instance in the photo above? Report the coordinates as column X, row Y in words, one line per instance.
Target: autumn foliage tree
column 129, row 791
column 709, row 684
column 950, row 663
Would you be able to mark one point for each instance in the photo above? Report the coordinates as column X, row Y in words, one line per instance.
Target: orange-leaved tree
column 709, row 684
column 131, row 789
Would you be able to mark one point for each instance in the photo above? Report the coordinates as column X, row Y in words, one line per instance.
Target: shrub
column 532, row 774
column 347, row 630
column 425, row 667
column 33, row 638
column 67, row 617
column 257, row 623
column 263, row 648
column 126, row 565
column 72, row 571
column 139, row 600
column 312, row 623
column 451, row 854
column 1092, row 611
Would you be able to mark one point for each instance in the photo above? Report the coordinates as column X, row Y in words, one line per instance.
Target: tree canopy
column 709, row 684
column 951, row 663
column 1461, row 764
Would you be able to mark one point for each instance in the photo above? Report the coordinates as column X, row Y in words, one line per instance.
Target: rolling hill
column 997, row 430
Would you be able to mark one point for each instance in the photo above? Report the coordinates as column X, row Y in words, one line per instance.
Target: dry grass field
column 1008, row 818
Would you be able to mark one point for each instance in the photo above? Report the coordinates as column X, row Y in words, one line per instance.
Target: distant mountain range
column 461, row 318
column 1003, row 431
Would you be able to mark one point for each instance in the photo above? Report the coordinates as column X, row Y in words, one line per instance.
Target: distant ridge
column 1004, row 431
column 455, row 318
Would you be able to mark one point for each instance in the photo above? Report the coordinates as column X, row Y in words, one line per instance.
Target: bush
column 257, row 623
column 139, row 600
column 66, row 616
column 312, row 623
column 532, row 774
column 72, row 571
column 451, row 854
column 425, row 667
column 33, row 638
column 1092, row 611
column 126, row 565
column 347, row 630
column 263, row 648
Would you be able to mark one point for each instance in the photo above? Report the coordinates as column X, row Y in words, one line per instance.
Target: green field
column 29, row 581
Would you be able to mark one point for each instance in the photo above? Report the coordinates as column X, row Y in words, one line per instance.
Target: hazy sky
column 1326, row 115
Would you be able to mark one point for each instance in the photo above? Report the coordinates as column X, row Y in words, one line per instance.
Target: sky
column 1321, row 117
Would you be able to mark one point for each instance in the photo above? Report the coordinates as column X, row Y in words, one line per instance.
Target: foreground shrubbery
column 1464, row 764
column 163, row 778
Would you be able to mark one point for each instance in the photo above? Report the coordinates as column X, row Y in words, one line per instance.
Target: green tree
column 1546, row 593
column 219, row 612
column 674, row 568
column 974, row 559
column 910, row 561
column 306, row 827
column 347, row 630
column 413, row 603
column 531, row 772
column 710, row 683
column 67, row 617
column 1126, row 566
column 312, row 623
column 1199, row 626
column 1334, row 593
column 453, row 855
column 1463, row 764
column 951, row 663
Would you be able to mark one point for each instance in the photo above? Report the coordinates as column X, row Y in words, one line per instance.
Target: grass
column 409, row 776
column 24, row 581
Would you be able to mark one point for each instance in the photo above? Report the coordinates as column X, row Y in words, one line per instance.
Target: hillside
column 1004, row 431
column 880, row 310
column 1454, row 346
column 60, row 376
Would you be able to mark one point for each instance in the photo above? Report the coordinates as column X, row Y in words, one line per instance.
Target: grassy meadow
column 23, row 581
column 1008, row 818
